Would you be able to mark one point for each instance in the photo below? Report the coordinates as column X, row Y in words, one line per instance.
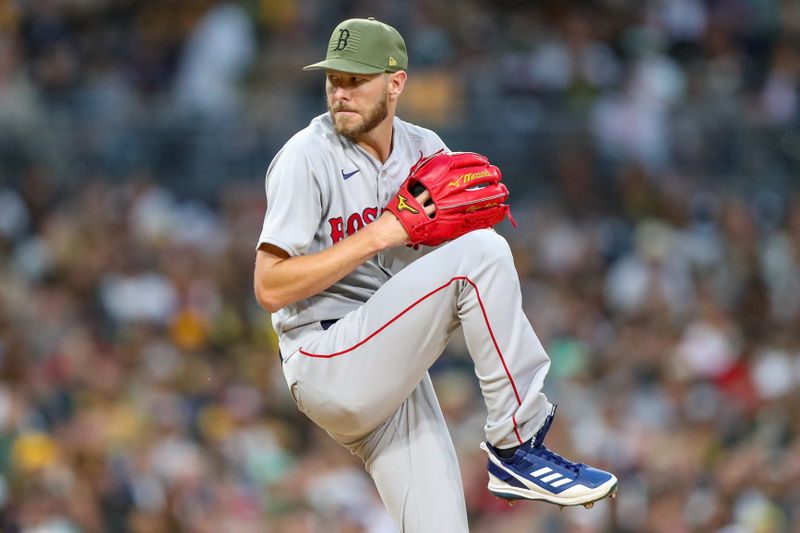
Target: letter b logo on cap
column 341, row 44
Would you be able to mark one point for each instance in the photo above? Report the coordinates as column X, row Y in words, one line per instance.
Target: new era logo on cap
column 364, row 46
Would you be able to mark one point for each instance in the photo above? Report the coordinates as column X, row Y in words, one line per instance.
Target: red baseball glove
column 465, row 189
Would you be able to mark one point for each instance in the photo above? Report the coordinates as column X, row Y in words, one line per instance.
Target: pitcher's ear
column 397, row 82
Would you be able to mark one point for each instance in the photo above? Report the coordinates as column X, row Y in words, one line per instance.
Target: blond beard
column 371, row 121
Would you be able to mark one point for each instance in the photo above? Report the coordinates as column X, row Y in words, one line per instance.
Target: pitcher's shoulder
column 314, row 142
column 427, row 140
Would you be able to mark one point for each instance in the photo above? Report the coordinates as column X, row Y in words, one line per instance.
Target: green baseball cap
column 364, row 46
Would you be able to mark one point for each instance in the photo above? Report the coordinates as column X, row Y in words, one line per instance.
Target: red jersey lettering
column 337, row 229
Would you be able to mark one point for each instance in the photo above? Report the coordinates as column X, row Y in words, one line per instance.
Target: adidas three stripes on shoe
column 536, row 473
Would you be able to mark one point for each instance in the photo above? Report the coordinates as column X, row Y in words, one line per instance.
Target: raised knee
column 487, row 244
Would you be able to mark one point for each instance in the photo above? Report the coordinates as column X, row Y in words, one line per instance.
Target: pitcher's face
column 358, row 103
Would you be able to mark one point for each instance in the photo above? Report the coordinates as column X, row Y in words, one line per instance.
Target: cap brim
column 345, row 65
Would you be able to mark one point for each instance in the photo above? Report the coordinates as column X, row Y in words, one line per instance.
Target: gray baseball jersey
column 321, row 188
column 365, row 379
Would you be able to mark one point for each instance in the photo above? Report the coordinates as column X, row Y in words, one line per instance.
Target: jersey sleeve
column 440, row 143
column 294, row 202
column 432, row 143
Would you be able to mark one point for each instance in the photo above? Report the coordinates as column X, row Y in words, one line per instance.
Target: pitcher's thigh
column 355, row 375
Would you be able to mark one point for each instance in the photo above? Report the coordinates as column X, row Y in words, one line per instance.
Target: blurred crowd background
column 652, row 148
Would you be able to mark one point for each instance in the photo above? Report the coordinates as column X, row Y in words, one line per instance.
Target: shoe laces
column 538, row 449
column 552, row 457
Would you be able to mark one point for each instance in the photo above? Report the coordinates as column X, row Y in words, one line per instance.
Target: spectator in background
column 633, row 125
column 215, row 58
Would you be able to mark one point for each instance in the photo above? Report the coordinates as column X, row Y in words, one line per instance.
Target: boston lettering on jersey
column 355, row 222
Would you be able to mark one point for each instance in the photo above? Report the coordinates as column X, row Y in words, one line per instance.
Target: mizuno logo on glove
column 403, row 206
column 469, row 176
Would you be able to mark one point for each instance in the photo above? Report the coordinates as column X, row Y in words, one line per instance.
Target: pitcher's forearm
column 280, row 282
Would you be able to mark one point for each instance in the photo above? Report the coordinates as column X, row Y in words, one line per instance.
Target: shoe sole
column 513, row 494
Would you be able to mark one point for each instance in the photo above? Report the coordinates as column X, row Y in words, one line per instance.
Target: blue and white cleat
column 536, row 473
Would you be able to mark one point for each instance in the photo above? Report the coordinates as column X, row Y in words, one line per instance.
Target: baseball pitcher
column 376, row 246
